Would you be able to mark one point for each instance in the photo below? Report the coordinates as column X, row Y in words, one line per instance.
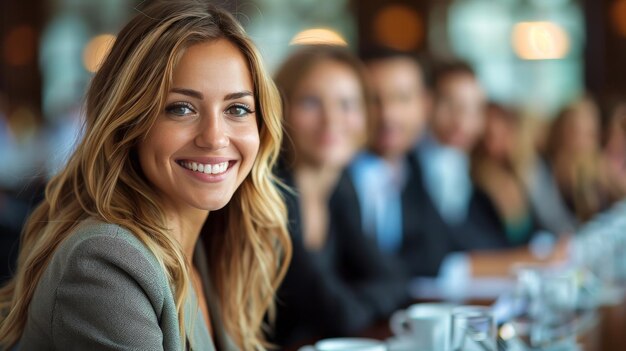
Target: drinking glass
column 473, row 329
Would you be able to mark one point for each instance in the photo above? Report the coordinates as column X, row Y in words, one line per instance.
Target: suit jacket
column 427, row 238
column 104, row 290
column 341, row 289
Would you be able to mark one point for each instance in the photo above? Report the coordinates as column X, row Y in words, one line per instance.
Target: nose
column 330, row 116
column 212, row 133
column 386, row 113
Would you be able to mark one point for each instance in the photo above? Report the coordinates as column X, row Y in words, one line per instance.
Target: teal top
column 519, row 229
column 104, row 290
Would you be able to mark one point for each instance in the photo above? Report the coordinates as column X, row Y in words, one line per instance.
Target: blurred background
column 536, row 55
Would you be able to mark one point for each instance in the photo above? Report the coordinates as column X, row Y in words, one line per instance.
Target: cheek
column 355, row 123
column 154, row 150
column 248, row 145
column 473, row 124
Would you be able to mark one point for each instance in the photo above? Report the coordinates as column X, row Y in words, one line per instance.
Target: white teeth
column 206, row 168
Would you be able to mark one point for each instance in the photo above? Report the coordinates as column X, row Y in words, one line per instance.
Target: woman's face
column 203, row 144
column 326, row 118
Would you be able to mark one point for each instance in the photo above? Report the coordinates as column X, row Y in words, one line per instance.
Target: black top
column 341, row 289
column 427, row 238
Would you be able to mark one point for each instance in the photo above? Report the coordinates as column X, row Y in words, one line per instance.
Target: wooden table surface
column 608, row 334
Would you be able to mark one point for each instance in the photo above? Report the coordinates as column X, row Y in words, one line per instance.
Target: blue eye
column 180, row 109
column 239, row 110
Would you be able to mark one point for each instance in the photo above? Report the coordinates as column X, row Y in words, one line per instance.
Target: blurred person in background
column 182, row 121
column 576, row 162
column 457, row 124
column 500, row 167
column 486, row 233
column 551, row 212
column 338, row 283
column 387, row 177
column 415, row 208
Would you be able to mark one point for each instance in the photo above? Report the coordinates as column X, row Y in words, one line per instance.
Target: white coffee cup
column 347, row 344
column 426, row 324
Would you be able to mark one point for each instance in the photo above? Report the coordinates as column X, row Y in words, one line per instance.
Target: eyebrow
column 238, row 95
column 188, row 92
column 198, row 95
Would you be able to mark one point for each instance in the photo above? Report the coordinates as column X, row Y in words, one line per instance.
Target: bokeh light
column 19, row 46
column 318, row 36
column 399, row 27
column 96, row 51
column 618, row 17
column 540, row 41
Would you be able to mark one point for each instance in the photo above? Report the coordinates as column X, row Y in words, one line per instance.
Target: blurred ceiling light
column 20, row 45
column 540, row 41
column 318, row 36
column 399, row 27
column 96, row 51
column 618, row 17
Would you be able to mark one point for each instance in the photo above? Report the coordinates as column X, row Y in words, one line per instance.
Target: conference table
column 603, row 329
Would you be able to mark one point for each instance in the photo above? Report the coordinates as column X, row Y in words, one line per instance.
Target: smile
column 206, row 168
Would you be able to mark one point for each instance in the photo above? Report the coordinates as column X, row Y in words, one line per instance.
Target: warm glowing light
column 20, row 45
column 399, row 27
column 540, row 41
column 318, row 36
column 618, row 16
column 96, row 51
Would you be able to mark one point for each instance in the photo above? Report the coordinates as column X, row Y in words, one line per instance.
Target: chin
column 212, row 204
column 334, row 160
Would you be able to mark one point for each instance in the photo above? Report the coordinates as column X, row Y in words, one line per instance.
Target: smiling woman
column 166, row 216
column 203, row 144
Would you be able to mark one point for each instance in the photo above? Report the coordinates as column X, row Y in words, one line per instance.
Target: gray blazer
column 104, row 290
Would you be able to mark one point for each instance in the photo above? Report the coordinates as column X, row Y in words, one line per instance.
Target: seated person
column 338, row 283
column 576, row 162
column 415, row 186
column 500, row 167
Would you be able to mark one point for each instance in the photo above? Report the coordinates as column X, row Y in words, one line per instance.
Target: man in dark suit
column 414, row 185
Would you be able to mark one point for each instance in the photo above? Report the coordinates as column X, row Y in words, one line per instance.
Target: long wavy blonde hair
column 250, row 251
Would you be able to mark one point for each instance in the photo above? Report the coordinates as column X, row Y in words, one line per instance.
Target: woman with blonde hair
column 165, row 230
column 501, row 164
column 574, row 154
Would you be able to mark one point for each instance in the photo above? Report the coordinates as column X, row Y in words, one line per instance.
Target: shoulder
column 102, row 284
column 96, row 248
column 91, row 229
